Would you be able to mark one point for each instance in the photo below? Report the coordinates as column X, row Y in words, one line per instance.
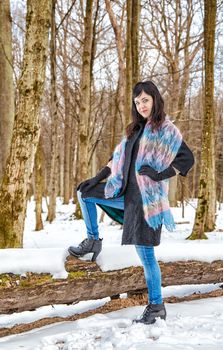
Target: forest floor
column 109, row 306
column 46, row 251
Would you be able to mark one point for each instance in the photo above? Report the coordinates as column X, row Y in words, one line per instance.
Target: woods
column 87, row 105
column 67, row 70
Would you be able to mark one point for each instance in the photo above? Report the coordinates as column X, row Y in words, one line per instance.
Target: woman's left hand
column 147, row 170
column 154, row 175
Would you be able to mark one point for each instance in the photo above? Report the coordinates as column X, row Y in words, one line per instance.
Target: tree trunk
column 173, row 191
column 38, row 176
column 61, row 172
column 129, row 72
column 6, row 84
column 132, row 54
column 121, row 61
column 209, row 108
column 85, row 99
column 135, row 40
column 67, row 126
column 205, row 213
column 53, row 186
column 72, row 157
column 85, row 94
column 26, row 126
column 86, row 281
column 113, row 121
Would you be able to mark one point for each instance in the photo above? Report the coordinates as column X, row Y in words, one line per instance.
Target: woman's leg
column 155, row 308
column 92, row 244
column 89, row 211
column 152, row 273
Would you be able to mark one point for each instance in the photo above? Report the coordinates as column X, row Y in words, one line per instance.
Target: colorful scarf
column 157, row 149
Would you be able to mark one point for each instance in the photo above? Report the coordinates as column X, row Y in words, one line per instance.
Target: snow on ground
column 194, row 325
column 8, row 321
column 46, row 250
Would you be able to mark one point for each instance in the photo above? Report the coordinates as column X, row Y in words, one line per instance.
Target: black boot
column 151, row 312
column 85, row 247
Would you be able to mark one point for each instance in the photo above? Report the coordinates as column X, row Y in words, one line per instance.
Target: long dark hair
column 157, row 114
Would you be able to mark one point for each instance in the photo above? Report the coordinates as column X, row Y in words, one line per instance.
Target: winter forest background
column 67, row 69
column 92, row 63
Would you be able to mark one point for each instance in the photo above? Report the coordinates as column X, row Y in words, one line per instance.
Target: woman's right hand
column 87, row 184
column 90, row 183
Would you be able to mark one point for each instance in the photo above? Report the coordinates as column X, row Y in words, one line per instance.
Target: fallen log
column 110, row 306
column 86, row 282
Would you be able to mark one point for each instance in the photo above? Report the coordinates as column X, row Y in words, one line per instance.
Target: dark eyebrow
column 142, row 99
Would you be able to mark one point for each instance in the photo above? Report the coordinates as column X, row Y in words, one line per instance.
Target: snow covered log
column 86, row 281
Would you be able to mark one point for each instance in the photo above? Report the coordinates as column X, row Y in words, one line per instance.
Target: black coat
column 135, row 228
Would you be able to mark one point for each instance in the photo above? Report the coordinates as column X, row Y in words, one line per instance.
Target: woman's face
column 144, row 104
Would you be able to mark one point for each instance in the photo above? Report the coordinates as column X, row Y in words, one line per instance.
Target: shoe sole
column 148, row 323
column 94, row 257
column 73, row 254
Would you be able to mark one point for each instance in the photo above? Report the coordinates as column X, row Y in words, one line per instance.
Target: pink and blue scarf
column 157, row 149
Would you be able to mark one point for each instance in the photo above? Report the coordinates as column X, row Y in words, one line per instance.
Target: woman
column 151, row 152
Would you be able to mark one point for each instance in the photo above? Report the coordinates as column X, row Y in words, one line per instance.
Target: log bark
column 86, row 281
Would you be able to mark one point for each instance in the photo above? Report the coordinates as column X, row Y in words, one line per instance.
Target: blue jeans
column 146, row 253
column 152, row 273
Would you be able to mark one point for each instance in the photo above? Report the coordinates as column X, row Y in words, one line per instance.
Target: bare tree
column 132, row 53
column 6, row 84
column 53, row 186
column 85, row 92
column 169, row 30
column 120, row 45
column 67, row 122
column 205, row 213
column 136, row 4
column 85, row 98
column 26, row 126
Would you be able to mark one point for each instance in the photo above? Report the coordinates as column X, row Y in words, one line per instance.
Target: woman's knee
column 146, row 253
column 143, row 249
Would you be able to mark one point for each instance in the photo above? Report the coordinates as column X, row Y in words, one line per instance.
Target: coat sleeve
column 184, row 159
